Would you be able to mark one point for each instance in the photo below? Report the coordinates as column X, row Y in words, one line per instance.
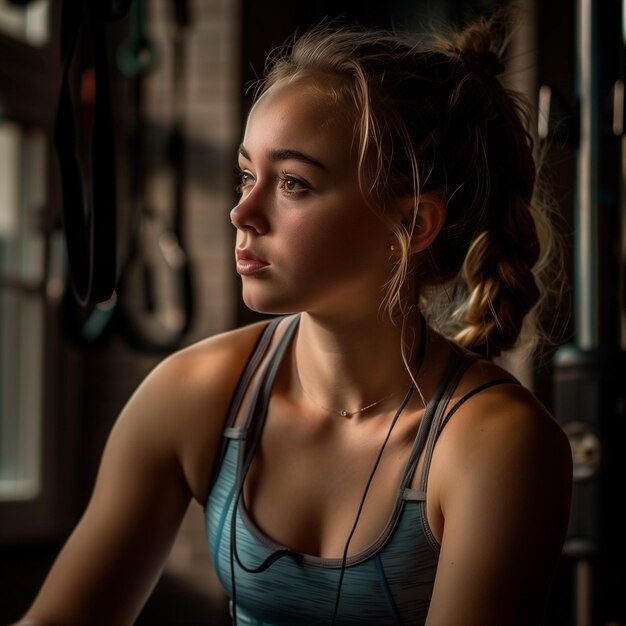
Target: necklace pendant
column 343, row 413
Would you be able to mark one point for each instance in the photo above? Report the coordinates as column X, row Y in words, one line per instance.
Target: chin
column 267, row 306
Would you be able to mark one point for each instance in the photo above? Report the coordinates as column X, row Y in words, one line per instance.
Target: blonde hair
column 432, row 116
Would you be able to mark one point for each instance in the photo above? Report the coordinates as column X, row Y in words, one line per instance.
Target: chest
column 313, row 483
column 387, row 583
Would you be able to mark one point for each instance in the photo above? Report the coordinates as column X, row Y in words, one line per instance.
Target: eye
column 243, row 179
column 291, row 185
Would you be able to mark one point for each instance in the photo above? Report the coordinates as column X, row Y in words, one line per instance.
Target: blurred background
column 119, row 123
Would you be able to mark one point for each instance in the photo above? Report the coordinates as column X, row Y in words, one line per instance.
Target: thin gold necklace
column 343, row 412
column 420, row 362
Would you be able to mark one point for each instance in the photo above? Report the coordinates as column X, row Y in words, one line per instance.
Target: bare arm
column 158, row 456
column 503, row 478
column 115, row 555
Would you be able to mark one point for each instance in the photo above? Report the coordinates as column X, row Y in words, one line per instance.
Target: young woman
column 357, row 466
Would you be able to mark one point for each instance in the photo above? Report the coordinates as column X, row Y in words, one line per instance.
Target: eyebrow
column 285, row 154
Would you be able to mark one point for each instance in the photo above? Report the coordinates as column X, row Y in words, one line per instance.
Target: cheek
column 340, row 249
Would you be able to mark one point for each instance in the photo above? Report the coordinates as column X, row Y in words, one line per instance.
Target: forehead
column 301, row 116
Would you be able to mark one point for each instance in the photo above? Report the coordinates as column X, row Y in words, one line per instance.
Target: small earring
column 392, row 248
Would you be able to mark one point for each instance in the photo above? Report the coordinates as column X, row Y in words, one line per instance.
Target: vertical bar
column 585, row 241
column 622, row 270
column 585, row 252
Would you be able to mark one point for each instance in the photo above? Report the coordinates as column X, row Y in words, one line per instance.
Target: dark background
column 30, row 78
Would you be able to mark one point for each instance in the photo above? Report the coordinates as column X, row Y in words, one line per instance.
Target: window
column 22, row 258
column 33, row 446
column 29, row 23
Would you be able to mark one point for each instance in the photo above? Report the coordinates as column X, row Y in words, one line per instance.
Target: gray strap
column 458, row 365
column 231, row 432
column 425, row 426
column 263, row 384
column 255, row 418
column 256, row 356
column 413, row 495
column 258, row 353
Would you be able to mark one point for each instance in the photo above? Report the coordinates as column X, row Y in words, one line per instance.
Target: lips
column 249, row 262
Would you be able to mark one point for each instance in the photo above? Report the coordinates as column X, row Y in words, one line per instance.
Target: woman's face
column 306, row 241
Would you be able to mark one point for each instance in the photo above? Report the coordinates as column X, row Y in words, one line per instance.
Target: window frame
column 29, row 76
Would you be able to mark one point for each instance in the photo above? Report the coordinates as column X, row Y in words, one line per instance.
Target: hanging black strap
column 89, row 203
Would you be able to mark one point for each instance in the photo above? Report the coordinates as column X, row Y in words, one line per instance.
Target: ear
column 429, row 219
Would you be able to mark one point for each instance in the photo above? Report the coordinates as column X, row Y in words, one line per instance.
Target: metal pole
column 586, row 252
column 585, row 242
column 573, row 368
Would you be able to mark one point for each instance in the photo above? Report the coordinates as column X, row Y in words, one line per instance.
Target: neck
column 348, row 365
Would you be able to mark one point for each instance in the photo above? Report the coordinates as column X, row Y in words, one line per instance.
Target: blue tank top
column 388, row 583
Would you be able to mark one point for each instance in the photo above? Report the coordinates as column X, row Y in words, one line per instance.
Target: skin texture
column 307, row 221
column 499, row 486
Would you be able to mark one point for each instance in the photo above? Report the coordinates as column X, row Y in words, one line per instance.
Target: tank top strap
column 440, row 398
column 256, row 356
column 255, row 417
column 460, row 361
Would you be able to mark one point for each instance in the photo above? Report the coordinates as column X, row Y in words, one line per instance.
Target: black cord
column 420, row 362
column 245, row 461
column 234, row 556
column 344, row 557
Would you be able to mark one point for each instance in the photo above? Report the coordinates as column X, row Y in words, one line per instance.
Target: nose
column 248, row 216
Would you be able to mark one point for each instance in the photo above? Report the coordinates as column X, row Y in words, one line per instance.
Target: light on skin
column 301, row 210
column 307, row 241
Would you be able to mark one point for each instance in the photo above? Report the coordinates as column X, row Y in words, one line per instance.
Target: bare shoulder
column 180, row 407
column 501, row 456
column 205, row 372
column 501, row 483
column 207, row 365
column 503, row 429
column 505, row 415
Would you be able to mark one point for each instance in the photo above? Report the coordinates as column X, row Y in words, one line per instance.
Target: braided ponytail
column 502, row 281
